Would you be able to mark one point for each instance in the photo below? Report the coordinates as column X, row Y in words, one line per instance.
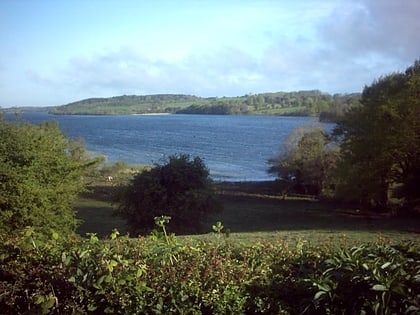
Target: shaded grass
column 97, row 217
column 253, row 215
column 251, row 221
column 253, row 211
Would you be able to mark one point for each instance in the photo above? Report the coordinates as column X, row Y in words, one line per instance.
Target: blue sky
column 56, row 52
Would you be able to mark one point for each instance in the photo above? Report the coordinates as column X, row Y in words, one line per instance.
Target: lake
column 234, row 147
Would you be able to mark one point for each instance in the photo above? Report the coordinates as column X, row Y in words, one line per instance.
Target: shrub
column 164, row 274
column 370, row 279
column 41, row 174
column 180, row 188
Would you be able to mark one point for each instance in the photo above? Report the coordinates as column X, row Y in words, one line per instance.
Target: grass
column 253, row 211
column 97, row 217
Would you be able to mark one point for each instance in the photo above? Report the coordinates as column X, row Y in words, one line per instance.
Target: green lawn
column 256, row 213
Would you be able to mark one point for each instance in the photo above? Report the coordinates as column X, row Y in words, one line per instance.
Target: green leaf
column 379, row 287
column 100, row 280
column 91, row 307
column 48, row 304
column 386, row 265
column 319, row 294
column 29, row 231
column 39, row 299
column 83, row 253
column 114, row 234
column 111, row 265
column 55, row 235
column 324, row 287
column 377, row 308
column 108, row 278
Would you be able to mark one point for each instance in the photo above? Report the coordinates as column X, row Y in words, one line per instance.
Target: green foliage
column 301, row 103
column 381, row 142
column 306, row 163
column 375, row 279
column 164, row 274
column 41, row 174
column 220, row 108
column 126, row 104
column 180, row 188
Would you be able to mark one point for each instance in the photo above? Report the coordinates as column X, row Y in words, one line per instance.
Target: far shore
column 151, row 114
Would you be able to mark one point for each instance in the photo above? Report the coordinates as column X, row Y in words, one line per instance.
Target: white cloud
column 216, row 50
column 374, row 30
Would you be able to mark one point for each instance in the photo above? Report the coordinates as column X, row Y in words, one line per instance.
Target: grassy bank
column 254, row 211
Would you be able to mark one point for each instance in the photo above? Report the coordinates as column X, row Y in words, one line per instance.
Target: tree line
column 303, row 103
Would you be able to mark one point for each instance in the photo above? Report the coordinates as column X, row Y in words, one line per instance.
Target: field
column 253, row 211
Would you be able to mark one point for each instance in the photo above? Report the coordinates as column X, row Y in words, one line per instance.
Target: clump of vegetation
column 306, row 163
column 380, row 159
column 179, row 188
column 41, row 174
column 375, row 162
column 388, row 276
column 164, row 274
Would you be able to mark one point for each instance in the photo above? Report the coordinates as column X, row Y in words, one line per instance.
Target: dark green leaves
column 180, row 188
column 381, row 143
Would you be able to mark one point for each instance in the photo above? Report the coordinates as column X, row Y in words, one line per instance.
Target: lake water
column 235, row 148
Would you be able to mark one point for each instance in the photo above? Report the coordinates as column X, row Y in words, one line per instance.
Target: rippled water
column 235, row 148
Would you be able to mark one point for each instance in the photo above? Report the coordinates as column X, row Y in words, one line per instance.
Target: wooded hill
column 303, row 103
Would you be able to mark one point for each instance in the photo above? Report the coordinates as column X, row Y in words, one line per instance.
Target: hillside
column 303, row 103
column 25, row 109
column 127, row 104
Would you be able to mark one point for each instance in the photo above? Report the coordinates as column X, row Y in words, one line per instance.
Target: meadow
column 254, row 211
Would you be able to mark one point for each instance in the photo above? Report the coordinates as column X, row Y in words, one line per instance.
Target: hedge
column 164, row 274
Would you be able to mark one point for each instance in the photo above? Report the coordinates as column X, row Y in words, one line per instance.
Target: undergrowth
column 163, row 274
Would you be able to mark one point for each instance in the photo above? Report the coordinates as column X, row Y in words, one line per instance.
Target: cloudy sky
column 55, row 52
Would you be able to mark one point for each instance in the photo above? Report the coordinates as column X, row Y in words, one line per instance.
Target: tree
column 41, row 174
column 381, row 142
column 305, row 163
column 179, row 188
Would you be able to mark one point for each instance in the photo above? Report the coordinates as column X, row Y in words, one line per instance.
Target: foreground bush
column 162, row 274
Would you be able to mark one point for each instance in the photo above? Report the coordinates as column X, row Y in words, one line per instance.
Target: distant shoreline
column 151, row 114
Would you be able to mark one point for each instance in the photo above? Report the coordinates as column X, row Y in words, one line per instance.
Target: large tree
column 381, row 142
column 41, row 173
column 179, row 188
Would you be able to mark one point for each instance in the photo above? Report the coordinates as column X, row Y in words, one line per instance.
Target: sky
column 56, row 52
